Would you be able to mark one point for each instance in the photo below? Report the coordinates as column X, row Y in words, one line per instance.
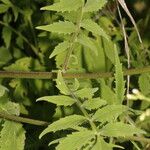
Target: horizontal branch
column 23, row 120
column 52, row 75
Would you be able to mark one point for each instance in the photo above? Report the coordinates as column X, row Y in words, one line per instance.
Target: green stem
column 73, row 39
column 52, row 75
column 34, row 49
column 23, row 120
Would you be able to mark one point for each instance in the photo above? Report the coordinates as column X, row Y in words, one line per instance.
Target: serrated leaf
column 75, row 140
column 86, row 93
column 61, row 47
column 94, row 5
column 87, row 42
column 69, row 122
column 65, row 5
column 58, row 100
column 6, row 35
column 119, row 79
column 109, row 113
column 59, row 27
column 12, row 136
column 109, row 50
column 61, row 85
column 107, row 94
column 3, row 8
column 120, row 129
column 93, row 27
column 94, row 103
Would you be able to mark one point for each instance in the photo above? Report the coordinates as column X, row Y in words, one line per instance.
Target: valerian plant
column 100, row 121
column 82, row 37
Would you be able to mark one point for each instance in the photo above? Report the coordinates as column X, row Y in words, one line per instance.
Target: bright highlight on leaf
column 65, row 5
column 69, row 122
column 59, row 27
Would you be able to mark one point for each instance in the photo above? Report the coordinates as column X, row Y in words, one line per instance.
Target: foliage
column 74, row 36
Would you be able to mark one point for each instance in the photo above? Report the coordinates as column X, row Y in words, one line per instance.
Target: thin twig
column 23, row 120
column 52, row 75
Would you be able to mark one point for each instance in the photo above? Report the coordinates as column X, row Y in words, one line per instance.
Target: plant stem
column 23, row 120
column 52, row 75
column 74, row 37
column 34, row 49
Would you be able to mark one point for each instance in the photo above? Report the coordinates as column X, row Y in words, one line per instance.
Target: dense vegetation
column 74, row 74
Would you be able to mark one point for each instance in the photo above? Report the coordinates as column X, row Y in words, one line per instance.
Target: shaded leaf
column 92, row 26
column 3, row 8
column 86, row 41
column 69, row 122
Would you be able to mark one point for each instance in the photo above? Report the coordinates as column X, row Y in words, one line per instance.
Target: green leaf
column 76, row 140
column 109, row 50
column 94, row 103
column 119, row 79
column 65, row 5
column 59, row 27
column 93, row 27
column 61, row 85
column 6, row 35
column 22, row 64
column 86, row 93
column 120, row 129
column 109, row 113
column 7, row 2
column 3, row 8
column 94, row 5
column 2, row 90
column 144, row 83
column 107, row 94
column 100, row 59
column 61, row 47
column 9, row 107
column 69, row 122
column 86, row 41
column 12, row 136
column 58, row 100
